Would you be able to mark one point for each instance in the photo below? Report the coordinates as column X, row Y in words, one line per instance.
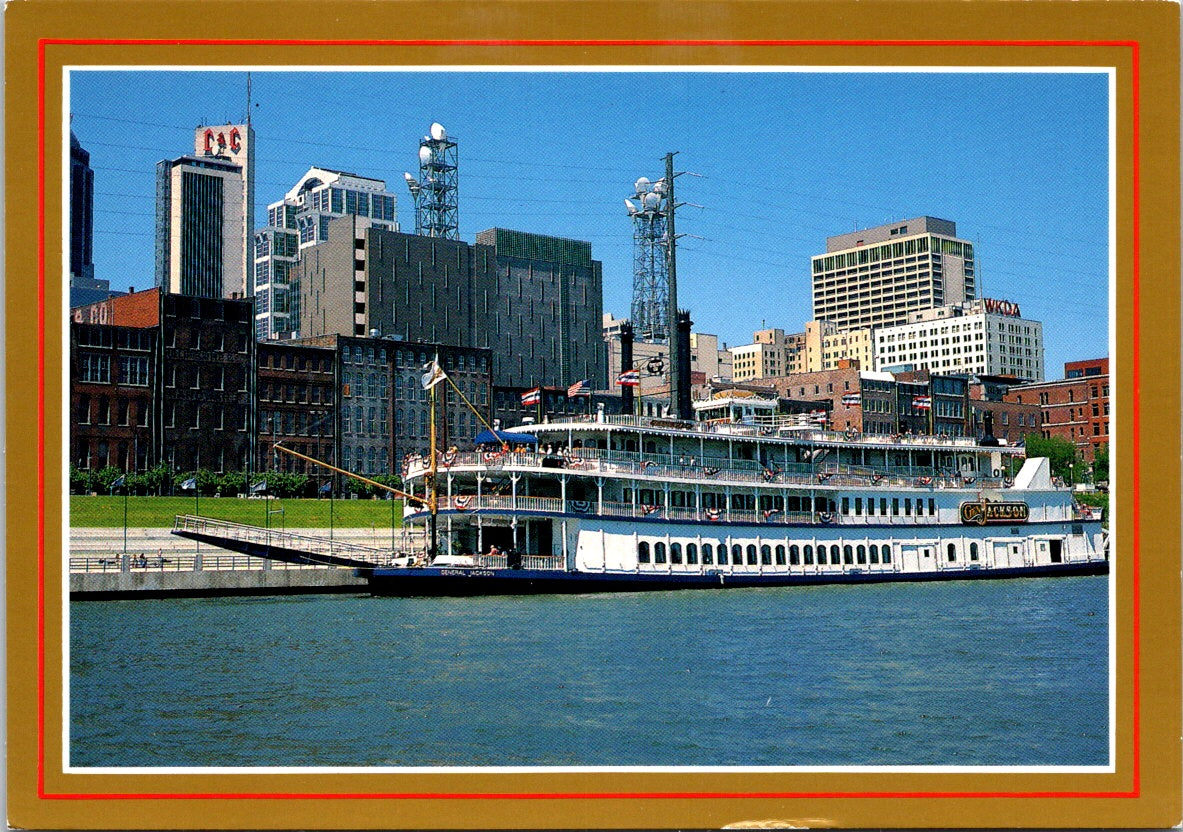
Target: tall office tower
column 200, row 227
column 235, row 143
column 535, row 301
column 84, row 288
column 299, row 220
column 878, row 276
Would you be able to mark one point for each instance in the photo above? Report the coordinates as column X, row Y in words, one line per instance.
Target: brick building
column 826, row 385
column 296, row 393
column 111, row 392
column 1075, row 408
column 205, row 417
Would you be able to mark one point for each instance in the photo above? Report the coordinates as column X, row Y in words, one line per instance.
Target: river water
column 1009, row 672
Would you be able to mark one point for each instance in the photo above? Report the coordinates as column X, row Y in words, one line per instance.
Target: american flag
column 532, row 396
column 852, row 399
column 629, row 378
column 579, row 388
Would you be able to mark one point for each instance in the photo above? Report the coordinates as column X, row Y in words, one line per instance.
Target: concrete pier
column 158, row 564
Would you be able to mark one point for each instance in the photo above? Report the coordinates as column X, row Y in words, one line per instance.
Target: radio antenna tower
column 434, row 191
column 650, row 309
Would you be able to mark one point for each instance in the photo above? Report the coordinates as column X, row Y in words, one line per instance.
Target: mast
column 433, row 501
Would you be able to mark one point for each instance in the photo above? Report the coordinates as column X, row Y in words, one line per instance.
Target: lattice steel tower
column 650, row 309
column 435, row 191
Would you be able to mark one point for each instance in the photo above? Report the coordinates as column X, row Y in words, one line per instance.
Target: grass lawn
column 158, row 512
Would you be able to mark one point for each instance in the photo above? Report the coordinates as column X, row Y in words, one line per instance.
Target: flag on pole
column 532, row 396
column 922, row 402
column 324, row 489
column 579, row 388
column 122, row 479
column 189, row 484
column 261, row 485
column 433, row 374
column 629, row 378
column 852, row 399
column 819, row 416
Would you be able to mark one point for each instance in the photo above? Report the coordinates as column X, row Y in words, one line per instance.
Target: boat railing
column 471, row 503
column 660, row 466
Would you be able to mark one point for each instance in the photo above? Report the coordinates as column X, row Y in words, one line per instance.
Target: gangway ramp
column 276, row 544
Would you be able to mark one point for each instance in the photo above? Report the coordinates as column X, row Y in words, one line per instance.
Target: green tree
column 80, row 480
column 1060, row 452
column 232, row 482
column 103, row 478
column 1101, row 464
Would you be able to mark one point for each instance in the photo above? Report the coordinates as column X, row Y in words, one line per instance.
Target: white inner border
column 1109, row 768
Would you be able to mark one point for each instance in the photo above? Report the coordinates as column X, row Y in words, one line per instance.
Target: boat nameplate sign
column 981, row 513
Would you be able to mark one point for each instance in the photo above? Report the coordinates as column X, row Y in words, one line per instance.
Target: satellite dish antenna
column 642, row 185
column 660, row 187
column 438, row 132
column 651, row 199
column 412, row 182
column 424, row 155
column 631, row 206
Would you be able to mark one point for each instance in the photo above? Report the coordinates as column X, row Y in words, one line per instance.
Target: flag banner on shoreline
column 532, row 396
column 579, row 388
column 433, row 374
column 629, row 378
column 922, row 402
column 261, row 485
column 119, row 482
column 327, row 488
column 189, row 484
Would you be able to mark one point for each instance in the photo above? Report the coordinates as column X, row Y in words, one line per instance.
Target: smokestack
column 626, row 364
column 682, row 406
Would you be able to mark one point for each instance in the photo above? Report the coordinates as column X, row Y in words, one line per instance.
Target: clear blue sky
column 1017, row 160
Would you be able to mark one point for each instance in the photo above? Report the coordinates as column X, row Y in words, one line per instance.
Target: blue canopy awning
column 488, row 437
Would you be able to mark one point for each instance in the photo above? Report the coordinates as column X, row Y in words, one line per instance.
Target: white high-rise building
column 299, row 220
column 879, row 276
column 983, row 337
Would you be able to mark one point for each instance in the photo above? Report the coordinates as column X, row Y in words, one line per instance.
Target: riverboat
column 626, row 503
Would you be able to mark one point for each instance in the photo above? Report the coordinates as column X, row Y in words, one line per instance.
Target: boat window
column 858, row 505
column 895, row 506
column 736, row 555
column 973, row 551
column 932, row 506
column 751, row 555
column 871, row 506
column 766, row 555
column 708, row 553
column 722, row 555
column 642, row 552
column 919, row 507
column 630, row 444
column 847, row 554
column 675, row 553
column 691, row 553
column 908, row 505
column 886, row 550
column 861, row 554
column 808, row 553
column 846, row 505
column 821, row 555
column 952, row 551
column 794, row 555
column 780, row 555
column 883, row 506
column 874, row 553
column 659, row 553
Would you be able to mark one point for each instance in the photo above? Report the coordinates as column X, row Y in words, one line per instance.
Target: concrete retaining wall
column 97, row 586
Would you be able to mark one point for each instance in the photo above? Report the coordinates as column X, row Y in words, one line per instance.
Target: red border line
column 1135, row 534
